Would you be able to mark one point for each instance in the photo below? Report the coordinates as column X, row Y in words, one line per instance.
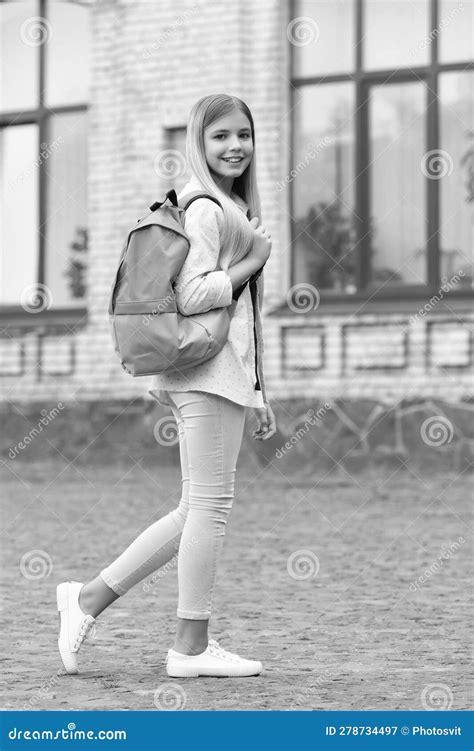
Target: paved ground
column 320, row 581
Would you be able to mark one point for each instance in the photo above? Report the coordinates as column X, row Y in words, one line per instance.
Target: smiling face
column 228, row 147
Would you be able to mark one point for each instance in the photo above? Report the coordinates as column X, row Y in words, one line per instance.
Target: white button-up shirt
column 199, row 288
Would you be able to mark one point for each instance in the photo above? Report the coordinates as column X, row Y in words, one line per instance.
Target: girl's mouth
column 233, row 159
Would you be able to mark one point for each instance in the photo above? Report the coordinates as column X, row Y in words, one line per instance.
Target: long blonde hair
column 238, row 235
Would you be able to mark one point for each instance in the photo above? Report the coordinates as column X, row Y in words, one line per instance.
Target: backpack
column 150, row 335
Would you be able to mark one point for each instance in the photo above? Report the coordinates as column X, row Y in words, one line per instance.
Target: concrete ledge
column 343, row 435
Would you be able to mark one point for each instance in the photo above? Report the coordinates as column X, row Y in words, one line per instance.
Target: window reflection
column 322, row 183
column 456, row 30
column 20, row 34
column 456, row 95
column 66, row 212
column 323, row 36
column 19, row 192
column 396, row 33
column 397, row 195
column 67, row 61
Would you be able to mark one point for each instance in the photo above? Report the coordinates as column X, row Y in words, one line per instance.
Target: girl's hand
column 266, row 423
column 262, row 243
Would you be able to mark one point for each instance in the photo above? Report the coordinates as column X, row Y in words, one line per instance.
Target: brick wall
column 151, row 61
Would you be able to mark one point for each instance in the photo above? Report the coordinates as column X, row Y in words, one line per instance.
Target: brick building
column 365, row 158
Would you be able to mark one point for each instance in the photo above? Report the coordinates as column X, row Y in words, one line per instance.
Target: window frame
column 363, row 80
column 41, row 116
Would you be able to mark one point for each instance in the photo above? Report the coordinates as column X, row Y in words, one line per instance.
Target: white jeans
column 210, row 436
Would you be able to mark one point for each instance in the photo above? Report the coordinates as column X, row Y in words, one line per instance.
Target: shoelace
column 86, row 626
column 218, row 651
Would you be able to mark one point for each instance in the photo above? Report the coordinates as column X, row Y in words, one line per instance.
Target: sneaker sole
column 188, row 671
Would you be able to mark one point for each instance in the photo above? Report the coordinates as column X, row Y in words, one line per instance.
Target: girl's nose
column 235, row 143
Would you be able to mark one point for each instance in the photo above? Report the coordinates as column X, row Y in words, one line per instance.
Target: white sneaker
column 75, row 624
column 214, row 661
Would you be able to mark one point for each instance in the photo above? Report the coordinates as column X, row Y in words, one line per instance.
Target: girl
column 208, row 401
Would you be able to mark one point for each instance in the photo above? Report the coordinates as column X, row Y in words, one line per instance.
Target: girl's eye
column 222, row 135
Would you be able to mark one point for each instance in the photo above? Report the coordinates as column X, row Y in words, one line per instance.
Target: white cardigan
column 230, row 373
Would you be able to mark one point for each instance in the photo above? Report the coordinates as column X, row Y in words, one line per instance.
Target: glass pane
column 66, row 211
column 22, row 34
column 397, row 193
column 395, row 33
column 19, row 200
column 67, row 62
column 321, row 178
column 456, row 24
column 170, row 165
column 322, row 35
column 456, row 95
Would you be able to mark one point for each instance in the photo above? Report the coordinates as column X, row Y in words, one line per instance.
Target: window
column 43, row 153
column 381, row 184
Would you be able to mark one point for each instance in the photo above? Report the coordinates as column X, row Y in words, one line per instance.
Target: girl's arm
column 198, row 286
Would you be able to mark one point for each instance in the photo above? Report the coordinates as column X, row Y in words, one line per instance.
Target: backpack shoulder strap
column 186, row 202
